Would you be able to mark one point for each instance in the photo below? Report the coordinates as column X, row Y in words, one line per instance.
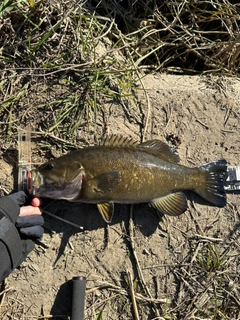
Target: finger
column 30, row 211
column 36, row 202
column 29, row 221
column 36, row 231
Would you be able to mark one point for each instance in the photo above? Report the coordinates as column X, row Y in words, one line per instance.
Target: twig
column 168, row 118
column 102, row 301
column 132, row 293
column 173, row 265
column 3, row 292
column 122, row 291
column 201, row 237
column 203, row 124
column 140, row 274
column 50, row 316
column 228, row 131
column 236, row 300
column 2, row 298
column 148, row 109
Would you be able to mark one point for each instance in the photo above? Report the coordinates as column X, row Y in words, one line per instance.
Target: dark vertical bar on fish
column 78, row 298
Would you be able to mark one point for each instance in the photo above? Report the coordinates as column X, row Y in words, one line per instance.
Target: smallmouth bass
column 120, row 170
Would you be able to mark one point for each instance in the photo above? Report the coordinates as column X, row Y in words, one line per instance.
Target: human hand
column 16, row 244
column 30, row 220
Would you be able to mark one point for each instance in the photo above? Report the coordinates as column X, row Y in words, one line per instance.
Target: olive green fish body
column 143, row 177
column 122, row 171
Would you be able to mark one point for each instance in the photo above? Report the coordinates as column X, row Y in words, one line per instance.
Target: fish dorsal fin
column 154, row 147
column 106, row 210
column 161, row 150
column 118, row 141
column 173, row 204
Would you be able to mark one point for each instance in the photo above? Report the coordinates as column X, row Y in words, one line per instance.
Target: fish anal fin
column 173, row 204
column 161, row 150
column 106, row 210
column 118, row 141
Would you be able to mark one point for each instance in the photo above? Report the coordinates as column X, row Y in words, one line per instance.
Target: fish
column 121, row 170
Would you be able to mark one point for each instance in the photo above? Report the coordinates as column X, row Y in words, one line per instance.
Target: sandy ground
column 201, row 117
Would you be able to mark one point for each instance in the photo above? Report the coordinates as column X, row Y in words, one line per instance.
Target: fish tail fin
column 212, row 188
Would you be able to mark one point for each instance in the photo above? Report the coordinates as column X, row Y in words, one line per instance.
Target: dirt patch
column 189, row 263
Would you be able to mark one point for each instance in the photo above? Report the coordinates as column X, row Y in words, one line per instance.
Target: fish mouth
column 67, row 191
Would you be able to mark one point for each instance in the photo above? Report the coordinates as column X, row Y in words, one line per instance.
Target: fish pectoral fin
column 106, row 209
column 105, row 182
column 173, row 204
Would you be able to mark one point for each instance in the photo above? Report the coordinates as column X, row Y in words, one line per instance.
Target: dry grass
column 179, row 36
column 94, row 51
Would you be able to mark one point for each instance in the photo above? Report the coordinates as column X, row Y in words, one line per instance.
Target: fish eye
column 49, row 166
